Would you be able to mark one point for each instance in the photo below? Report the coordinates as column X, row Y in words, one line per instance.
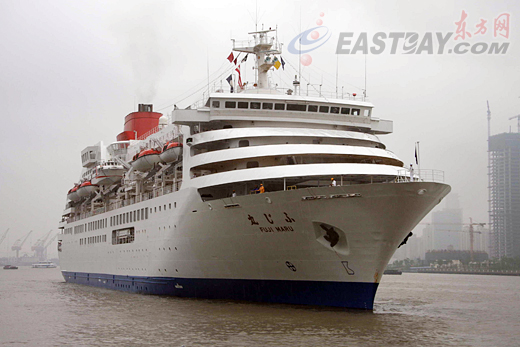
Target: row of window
column 129, row 217
column 92, row 239
column 96, row 225
column 255, row 105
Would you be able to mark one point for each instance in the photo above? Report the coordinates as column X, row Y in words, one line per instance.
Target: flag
column 236, row 59
column 416, row 160
column 283, row 63
column 230, row 58
column 277, row 65
column 229, row 79
column 239, row 77
column 245, row 58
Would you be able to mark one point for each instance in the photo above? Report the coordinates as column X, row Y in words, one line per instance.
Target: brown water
column 37, row 308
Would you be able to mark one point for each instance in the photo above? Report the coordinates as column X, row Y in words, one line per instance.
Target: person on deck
column 261, row 190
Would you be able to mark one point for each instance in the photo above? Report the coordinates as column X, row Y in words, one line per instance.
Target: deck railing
column 167, row 189
column 423, row 175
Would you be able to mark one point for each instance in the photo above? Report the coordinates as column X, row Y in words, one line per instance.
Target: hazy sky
column 72, row 70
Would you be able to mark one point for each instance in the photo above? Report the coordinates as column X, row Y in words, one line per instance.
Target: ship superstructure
column 257, row 195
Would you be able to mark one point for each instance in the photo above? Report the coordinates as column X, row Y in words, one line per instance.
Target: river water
column 37, row 308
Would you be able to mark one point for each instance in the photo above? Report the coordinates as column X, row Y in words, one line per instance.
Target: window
column 345, row 110
column 231, row 104
column 170, row 205
column 366, row 113
column 356, row 111
column 267, row 106
column 138, row 215
column 243, row 104
column 142, row 213
column 296, row 107
column 255, row 105
column 313, row 108
column 159, row 208
column 243, row 143
column 252, row 164
column 334, row 109
column 134, row 216
column 123, row 236
column 146, row 213
column 279, row 107
column 324, row 109
column 215, row 104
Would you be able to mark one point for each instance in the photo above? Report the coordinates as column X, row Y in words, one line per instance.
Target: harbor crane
column 518, row 124
column 4, row 236
column 17, row 246
column 43, row 256
column 39, row 247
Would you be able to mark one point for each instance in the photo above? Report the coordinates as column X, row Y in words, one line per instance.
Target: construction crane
column 518, row 124
column 39, row 246
column 3, row 236
column 471, row 231
column 18, row 244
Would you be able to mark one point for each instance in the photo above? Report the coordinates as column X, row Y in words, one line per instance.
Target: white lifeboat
column 108, row 173
column 171, row 152
column 146, row 160
column 72, row 195
column 86, row 188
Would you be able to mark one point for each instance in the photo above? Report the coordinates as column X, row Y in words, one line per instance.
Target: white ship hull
column 239, row 248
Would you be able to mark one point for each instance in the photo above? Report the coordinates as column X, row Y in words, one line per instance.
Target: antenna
column 491, row 227
column 337, row 67
column 300, row 48
column 365, row 90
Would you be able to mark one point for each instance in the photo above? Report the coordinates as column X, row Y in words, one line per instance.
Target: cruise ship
column 256, row 194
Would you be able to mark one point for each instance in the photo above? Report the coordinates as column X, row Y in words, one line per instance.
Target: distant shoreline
column 466, row 272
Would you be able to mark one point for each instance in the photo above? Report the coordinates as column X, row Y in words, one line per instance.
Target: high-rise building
column 447, row 225
column 504, row 194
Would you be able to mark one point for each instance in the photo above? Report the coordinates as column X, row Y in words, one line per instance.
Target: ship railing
column 148, row 133
column 157, row 192
column 422, row 175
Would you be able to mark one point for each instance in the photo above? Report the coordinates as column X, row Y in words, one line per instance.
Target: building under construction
column 504, row 194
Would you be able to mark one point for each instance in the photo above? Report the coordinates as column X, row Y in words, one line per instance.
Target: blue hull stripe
column 339, row 294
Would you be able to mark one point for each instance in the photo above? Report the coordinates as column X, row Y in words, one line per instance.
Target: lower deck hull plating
column 335, row 294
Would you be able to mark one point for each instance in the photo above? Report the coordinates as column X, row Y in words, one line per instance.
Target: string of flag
column 234, row 60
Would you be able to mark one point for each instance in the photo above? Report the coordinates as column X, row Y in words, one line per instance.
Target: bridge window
column 255, row 105
column 313, row 108
column 279, row 107
column 345, row 110
column 243, row 143
column 356, row 111
column 324, row 109
column 243, row 104
column 267, row 106
column 231, row 104
column 334, row 109
column 296, row 107
column 215, row 104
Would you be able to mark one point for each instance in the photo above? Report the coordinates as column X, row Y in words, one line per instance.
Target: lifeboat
column 86, row 188
column 72, row 195
column 108, row 173
column 146, row 160
column 172, row 151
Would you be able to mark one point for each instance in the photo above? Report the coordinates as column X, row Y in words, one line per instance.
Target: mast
column 264, row 46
